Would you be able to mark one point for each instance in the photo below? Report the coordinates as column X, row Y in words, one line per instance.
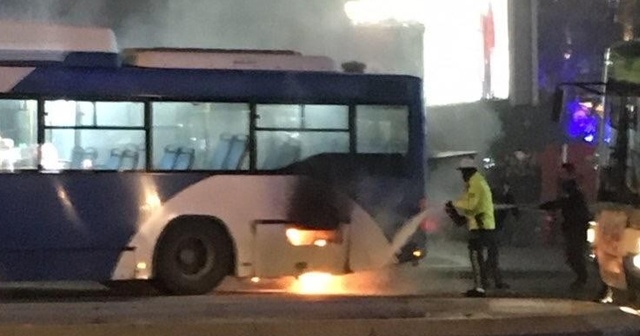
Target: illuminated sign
column 466, row 44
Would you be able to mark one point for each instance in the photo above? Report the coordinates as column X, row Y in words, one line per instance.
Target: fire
column 319, row 238
column 381, row 282
column 317, row 283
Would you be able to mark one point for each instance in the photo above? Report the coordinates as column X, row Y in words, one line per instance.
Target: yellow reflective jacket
column 477, row 200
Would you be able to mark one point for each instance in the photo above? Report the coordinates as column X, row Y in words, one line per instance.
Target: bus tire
column 193, row 258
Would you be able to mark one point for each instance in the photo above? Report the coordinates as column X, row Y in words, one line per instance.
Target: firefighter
column 576, row 216
column 476, row 204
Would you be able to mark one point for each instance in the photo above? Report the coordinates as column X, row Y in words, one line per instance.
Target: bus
column 611, row 109
column 121, row 165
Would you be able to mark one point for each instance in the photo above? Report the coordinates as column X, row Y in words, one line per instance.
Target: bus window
column 95, row 135
column 382, row 129
column 286, row 134
column 18, row 134
column 303, row 116
column 201, row 136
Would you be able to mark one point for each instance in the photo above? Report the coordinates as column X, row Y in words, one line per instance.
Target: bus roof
column 45, row 42
column 226, row 59
column 209, row 85
column 35, row 43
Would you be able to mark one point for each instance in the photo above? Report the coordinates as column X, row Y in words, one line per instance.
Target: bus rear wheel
column 193, row 259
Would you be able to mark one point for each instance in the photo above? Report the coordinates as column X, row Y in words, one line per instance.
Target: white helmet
column 467, row 163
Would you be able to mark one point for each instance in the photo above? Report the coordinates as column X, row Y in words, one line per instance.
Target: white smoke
column 75, row 12
column 313, row 28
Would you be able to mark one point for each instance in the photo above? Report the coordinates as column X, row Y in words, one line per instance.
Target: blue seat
column 221, row 152
column 184, row 161
column 130, row 159
column 115, row 159
column 141, row 149
column 237, row 151
column 169, row 157
column 77, row 156
column 90, row 153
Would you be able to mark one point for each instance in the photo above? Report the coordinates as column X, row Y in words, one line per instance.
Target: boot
column 476, row 292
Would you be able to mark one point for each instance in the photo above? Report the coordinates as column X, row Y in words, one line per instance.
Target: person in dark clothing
column 505, row 203
column 574, row 226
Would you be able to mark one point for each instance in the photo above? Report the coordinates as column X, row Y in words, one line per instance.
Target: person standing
column 476, row 205
column 576, row 216
column 504, row 203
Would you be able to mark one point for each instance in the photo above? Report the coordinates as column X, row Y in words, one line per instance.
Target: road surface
column 400, row 300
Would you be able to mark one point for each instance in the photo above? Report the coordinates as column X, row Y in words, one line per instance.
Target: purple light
column 582, row 122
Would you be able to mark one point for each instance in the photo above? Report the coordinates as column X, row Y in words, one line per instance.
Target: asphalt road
column 532, row 272
column 422, row 300
column 286, row 314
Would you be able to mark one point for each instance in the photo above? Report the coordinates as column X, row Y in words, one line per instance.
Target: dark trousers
column 575, row 249
column 479, row 242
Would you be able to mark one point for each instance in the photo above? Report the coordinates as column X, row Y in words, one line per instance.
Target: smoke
column 470, row 127
column 77, row 12
column 313, row 28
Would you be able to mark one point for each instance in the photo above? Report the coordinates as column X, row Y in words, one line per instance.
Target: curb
column 612, row 323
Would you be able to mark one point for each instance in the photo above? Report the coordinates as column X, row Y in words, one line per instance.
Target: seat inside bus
column 169, row 157
column 123, row 159
column 77, row 156
column 220, row 153
column 185, row 158
column 115, row 159
column 229, row 153
column 82, row 158
column 237, row 151
column 129, row 159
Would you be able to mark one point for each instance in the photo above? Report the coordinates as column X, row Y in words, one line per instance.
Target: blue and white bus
column 114, row 169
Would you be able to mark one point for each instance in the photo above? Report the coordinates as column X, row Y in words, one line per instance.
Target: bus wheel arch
column 193, row 255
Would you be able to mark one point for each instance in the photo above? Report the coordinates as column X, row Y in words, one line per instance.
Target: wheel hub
column 194, row 257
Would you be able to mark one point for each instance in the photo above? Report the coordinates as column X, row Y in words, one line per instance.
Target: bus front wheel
column 193, row 259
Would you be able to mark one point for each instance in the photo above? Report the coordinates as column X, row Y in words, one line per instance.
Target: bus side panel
column 74, row 226
column 242, row 201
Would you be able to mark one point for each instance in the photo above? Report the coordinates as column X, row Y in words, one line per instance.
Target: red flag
column 488, row 33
